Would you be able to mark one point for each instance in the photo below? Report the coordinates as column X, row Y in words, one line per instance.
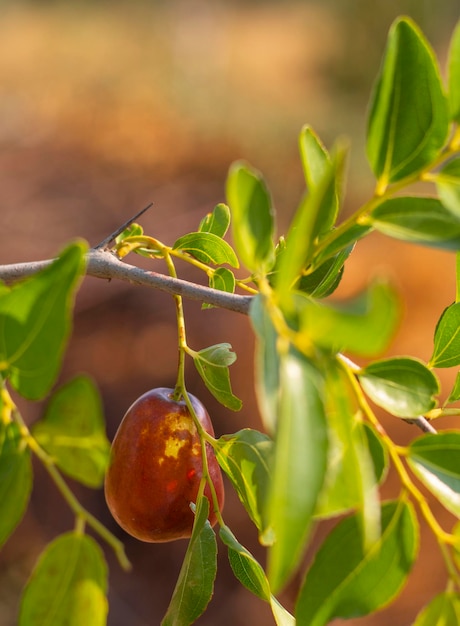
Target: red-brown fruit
column 156, row 468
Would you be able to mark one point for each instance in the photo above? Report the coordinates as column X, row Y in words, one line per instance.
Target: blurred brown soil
column 95, row 124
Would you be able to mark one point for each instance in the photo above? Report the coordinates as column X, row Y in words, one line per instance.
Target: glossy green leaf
column 195, row 585
column 351, row 477
column 363, row 325
column 35, row 321
column 408, row 121
column 454, row 75
column 299, row 465
column 216, row 222
column 403, row 386
column 448, row 186
column 316, row 162
column 72, row 431
column 306, row 225
column 326, row 278
column 207, row 248
column 443, row 610
column 418, row 220
column 266, row 362
column 435, row 459
column 245, row 458
column 212, row 365
column 345, row 581
column 68, row 585
column 15, row 478
column 446, row 351
column 253, row 223
column 223, row 279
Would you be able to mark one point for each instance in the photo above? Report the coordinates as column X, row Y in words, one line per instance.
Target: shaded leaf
column 408, row 121
column 216, row 222
column 207, row 248
column 222, row 279
column 435, row 459
column 454, row 75
column 72, row 431
column 403, row 386
column 15, row 478
column 253, row 217
column 211, row 363
column 68, row 585
column 299, row 465
column 363, row 325
column 326, row 278
column 245, row 458
column 35, row 321
column 418, row 220
column 443, row 610
column 448, row 186
column 345, row 581
column 195, row 585
column 446, row 351
column 332, row 244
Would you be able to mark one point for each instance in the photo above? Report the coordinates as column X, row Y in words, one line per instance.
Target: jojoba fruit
column 156, row 467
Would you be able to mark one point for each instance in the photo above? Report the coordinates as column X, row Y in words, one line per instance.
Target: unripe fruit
column 156, row 467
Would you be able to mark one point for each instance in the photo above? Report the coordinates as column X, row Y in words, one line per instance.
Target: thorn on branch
column 103, row 245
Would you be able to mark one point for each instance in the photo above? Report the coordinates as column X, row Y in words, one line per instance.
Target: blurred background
column 107, row 106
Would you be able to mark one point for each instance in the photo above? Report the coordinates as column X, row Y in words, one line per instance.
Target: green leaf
column 408, row 121
column 455, row 393
column 306, row 225
column 326, row 278
column 223, row 279
column 443, row 610
column 253, row 217
column 351, row 476
column 15, row 478
column 207, row 248
column 245, row 458
column 72, row 431
column 299, row 465
column 212, row 365
column 345, row 581
column 266, row 362
column 403, row 386
column 133, row 230
column 333, row 244
column 195, row 585
column 35, row 322
column 418, row 220
column 68, row 585
column 363, row 325
column 454, row 75
column 216, row 222
column 446, row 351
column 448, row 186
column 435, row 459
column 316, row 163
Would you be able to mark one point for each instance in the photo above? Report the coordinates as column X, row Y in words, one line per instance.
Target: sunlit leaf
column 195, row 585
column 403, row 386
column 443, row 610
column 252, row 217
column 455, row 393
column 15, row 478
column 435, row 459
column 245, row 458
column 345, row 581
column 207, row 248
column 216, row 222
column 454, row 75
column 299, row 465
column 448, row 186
column 363, row 325
column 266, row 362
column 420, row 220
column 446, row 352
column 72, row 431
column 68, row 585
column 133, row 230
column 35, row 321
column 408, row 121
column 212, row 365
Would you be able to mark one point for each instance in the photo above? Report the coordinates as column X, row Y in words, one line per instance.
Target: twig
column 423, row 424
column 103, row 264
column 105, row 242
